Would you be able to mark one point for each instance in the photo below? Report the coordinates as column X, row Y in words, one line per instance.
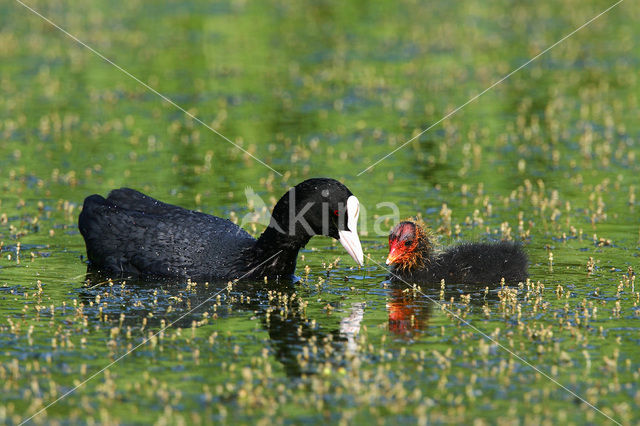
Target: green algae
column 548, row 157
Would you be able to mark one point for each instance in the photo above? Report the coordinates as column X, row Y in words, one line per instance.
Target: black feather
column 131, row 234
column 471, row 263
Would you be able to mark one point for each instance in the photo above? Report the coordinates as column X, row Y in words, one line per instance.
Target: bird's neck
column 275, row 253
column 424, row 250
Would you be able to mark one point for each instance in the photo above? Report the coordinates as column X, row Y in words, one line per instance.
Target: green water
column 324, row 88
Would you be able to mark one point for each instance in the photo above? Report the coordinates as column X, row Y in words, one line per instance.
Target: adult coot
column 414, row 259
column 132, row 234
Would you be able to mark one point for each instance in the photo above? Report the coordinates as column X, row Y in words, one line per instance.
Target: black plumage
column 131, row 234
column 414, row 259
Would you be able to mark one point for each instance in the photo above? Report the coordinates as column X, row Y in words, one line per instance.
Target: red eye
column 336, row 213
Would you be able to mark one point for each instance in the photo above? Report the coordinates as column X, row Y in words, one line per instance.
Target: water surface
column 548, row 157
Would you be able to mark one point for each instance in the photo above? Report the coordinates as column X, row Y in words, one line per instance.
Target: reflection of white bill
column 350, row 326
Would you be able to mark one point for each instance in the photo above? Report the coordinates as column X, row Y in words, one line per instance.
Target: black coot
column 414, row 259
column 131, row 234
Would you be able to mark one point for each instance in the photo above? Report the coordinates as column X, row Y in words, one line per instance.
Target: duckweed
column 548, row 157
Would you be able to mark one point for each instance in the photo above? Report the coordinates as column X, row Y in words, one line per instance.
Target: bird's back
column 130, row 233
column 482, row 263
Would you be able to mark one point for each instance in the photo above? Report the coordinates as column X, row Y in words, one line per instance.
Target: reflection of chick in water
column 408, row 313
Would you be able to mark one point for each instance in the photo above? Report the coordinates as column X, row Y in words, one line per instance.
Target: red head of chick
column 409, row 245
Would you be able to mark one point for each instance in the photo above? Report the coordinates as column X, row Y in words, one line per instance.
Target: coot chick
column 414, row 259
column 132, row 234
